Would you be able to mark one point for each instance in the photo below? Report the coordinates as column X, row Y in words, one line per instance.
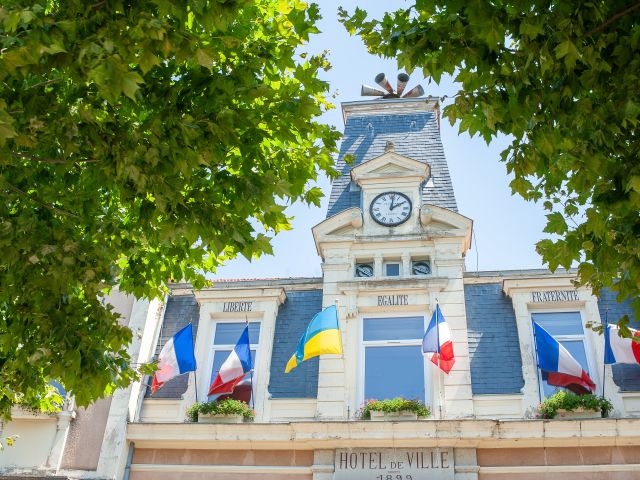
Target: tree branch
column 614, row 18
column 37, row 159
column 57, row 210
column 51, row 160
column 47, row 82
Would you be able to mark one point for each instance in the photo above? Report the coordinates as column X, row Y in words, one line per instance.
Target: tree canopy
column 562, row 79
column 140, row 142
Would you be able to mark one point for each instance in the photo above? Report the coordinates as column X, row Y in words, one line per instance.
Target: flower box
column 228, row 410
column 403, row 415
column 567, row 405
column 226, row 418
column 578, row 413
column 393, row 409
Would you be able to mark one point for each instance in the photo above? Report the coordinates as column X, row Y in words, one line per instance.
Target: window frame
column 362, row 345
column 212, row 348
column 388, row 263
column 592, row 365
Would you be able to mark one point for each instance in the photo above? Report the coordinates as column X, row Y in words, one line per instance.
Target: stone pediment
column 392, row 168
column 388, row 166
column 343, row 226
column 439, row 221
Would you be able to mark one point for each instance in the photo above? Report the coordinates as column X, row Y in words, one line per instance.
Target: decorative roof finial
column 389, row 147
column 388, row 92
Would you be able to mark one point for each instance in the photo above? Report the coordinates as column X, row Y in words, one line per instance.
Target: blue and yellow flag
column 322, row 336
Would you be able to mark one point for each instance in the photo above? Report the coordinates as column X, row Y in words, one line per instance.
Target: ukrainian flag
column 322, row 336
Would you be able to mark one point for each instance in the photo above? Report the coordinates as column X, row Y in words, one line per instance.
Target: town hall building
column 393, row 246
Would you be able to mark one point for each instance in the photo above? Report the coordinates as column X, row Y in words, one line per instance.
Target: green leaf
column 634, row 183
column 556, row 223
column 567, row 50
column 204, row 59
column 130, row 81
column 6, row 132
column 148, row 60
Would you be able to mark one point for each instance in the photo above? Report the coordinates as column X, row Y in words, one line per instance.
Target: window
column 393, row 361
column 392, row 269
column 364, row 269
column 566, row 328
column 224, row 340
column 420, row 267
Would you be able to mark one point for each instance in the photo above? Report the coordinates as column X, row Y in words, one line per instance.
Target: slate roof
column 292, row 320
column 627, row 377
column 494, row 349
column 415, row 134
column 179, row 311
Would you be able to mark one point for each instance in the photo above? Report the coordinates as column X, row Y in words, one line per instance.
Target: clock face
column 390, row 208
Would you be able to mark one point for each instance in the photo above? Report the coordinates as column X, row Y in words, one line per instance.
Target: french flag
column 237, row 365
column 176, row 358
column 437, row 341
column 558, row 367
column 619, row 349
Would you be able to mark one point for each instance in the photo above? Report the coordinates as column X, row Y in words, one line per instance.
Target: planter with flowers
column 222, row 411
column 393, row 410
column 567, row 405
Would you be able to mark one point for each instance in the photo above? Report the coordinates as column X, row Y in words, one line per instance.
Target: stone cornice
column 357, row 434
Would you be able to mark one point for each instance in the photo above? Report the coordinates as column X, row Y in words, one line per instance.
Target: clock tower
column 393, row 247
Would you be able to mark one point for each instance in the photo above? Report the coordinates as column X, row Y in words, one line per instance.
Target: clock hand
column 397, row 205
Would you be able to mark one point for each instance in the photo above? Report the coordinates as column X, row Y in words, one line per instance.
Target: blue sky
column 506, row 227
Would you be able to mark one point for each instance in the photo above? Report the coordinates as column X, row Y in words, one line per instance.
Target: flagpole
column 195, row 377
column 253, row 402
column 535, row 359
column 440, row 396
column 336, row 302
column 604, row 364
column 158, row 342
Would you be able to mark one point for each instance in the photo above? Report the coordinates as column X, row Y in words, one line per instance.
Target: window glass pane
column 401, row 328
column 559, row 323
column 577, row 351
column 229, row 333
column 394, row 371
column 393, row 269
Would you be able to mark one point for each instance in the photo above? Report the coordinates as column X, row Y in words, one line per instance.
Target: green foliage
column 140, row 142
column 228, row 406
column 51, row 401
column 10, row 441
column 397, row 404
column 563, row 400
column 561, row 79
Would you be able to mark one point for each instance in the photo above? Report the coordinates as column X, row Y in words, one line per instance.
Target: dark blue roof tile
column 291, row 322
column 179, row 311
column 494, row 348
column 415, row 135
column 627, row 377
